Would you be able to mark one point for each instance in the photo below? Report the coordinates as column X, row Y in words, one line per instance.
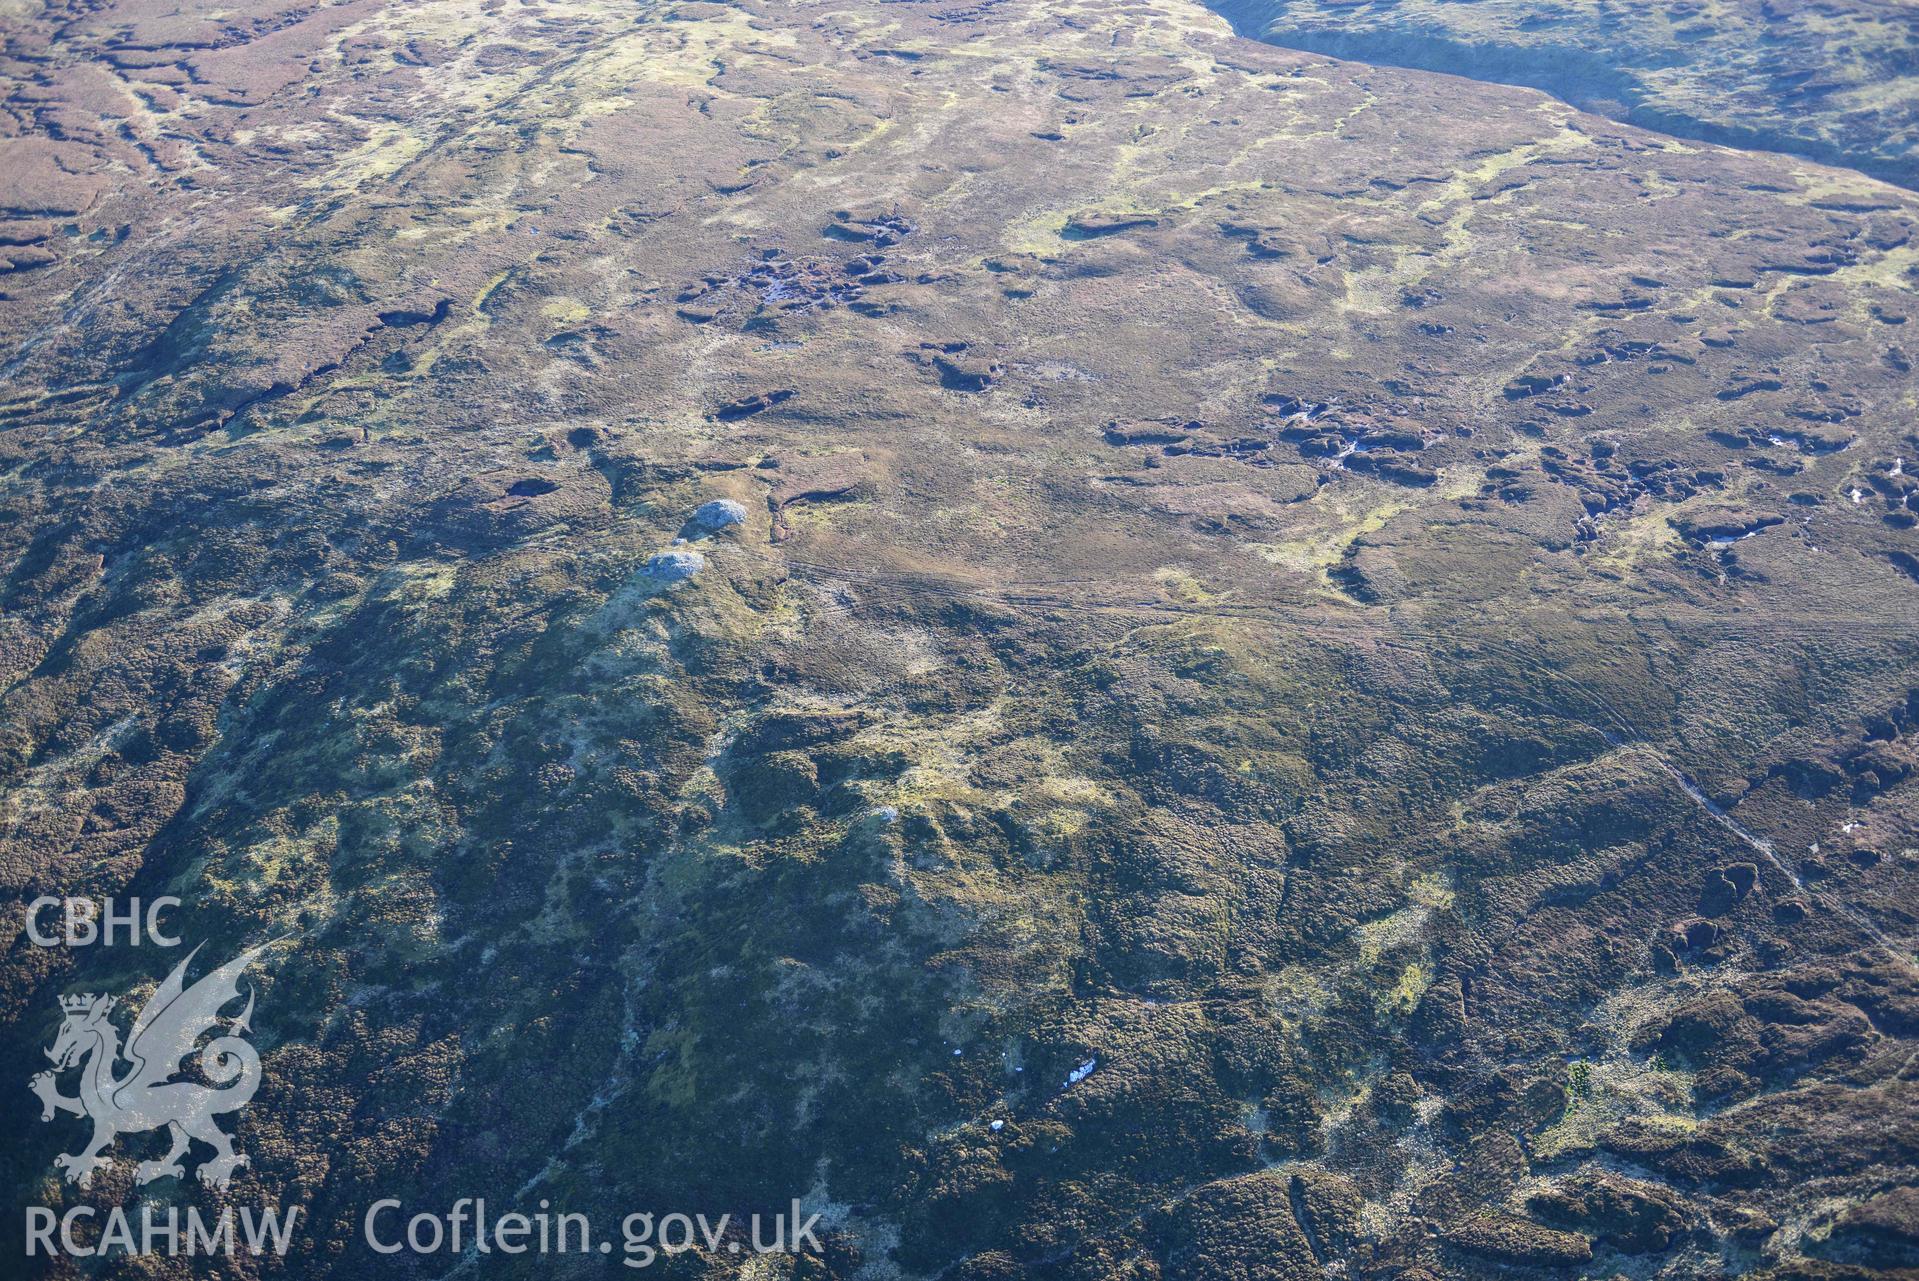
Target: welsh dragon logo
column 146, row 1096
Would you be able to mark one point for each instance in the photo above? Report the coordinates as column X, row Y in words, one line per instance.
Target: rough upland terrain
column 1374, row 610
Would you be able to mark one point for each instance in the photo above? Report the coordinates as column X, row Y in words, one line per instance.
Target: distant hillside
column 1835, row 80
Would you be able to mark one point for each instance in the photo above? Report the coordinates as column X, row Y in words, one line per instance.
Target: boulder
column 717, row 515
column 675, row 565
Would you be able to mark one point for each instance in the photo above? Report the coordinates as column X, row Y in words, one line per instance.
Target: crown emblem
column 83, row 1003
